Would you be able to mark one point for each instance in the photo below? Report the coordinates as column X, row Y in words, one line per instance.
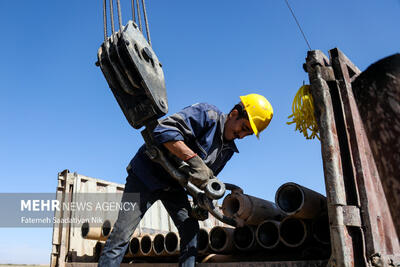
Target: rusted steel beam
column 361, row 225
column 342, row 250
column 377, row 95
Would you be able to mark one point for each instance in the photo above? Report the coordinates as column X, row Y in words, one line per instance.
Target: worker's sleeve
column 219, row 169
column 186, row 125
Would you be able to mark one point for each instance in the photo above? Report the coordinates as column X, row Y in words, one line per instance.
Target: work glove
column 199, row 213
column 198, row 172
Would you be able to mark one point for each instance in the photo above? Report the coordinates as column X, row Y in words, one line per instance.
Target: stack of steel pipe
column 258, row 221
column 307, row 219
column 158, row 245
column 296, row 225
column 297, row 221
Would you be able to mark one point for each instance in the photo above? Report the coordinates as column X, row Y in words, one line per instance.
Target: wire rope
column 119, row 15
column 105, row 19
column 139, row 16
column 112, row 16
column 147, row 23
column 298, row 24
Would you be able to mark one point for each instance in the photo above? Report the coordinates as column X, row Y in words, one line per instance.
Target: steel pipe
column 250, row 210
column 267, row 234
column 203, row 241
column 145, row 245
column 320, row 229
column 244, row 238
column 139, row 246
column 293, row 232
column 217, row 258
column 158, row 246
column 300, row 202
column 171, row 243
column 96, row 233
column 221, row 239
column 134, row 246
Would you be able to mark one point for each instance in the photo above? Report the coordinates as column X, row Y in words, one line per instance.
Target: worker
column 203, row 137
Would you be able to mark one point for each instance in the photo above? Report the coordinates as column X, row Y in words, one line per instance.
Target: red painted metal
column 361, row 223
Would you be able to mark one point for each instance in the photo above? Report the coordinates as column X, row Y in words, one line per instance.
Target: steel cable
column 105, row 19
column 147, row 23
column 112, row 16
column 119, row 15
column 139, row 16
column 298, row 24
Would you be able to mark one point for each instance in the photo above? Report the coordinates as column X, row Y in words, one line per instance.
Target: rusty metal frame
column 362, row 230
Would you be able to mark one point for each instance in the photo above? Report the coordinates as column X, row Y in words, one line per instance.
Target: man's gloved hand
column 199, row 213
column 198, row 172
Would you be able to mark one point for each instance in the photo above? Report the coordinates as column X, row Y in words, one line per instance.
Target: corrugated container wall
column 68, row 244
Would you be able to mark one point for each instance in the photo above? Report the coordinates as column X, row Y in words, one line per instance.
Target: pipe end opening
column 85, row 229
column 106, row 228
column 243, row 237
column 268, row 235
column 293, row 232
column 145, row 244
column 289, row 198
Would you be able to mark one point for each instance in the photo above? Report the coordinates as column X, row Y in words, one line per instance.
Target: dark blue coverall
column 201, row 127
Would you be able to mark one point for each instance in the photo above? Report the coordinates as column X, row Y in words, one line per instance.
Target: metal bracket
column 351, row 216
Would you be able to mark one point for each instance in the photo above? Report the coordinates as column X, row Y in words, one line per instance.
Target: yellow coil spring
column 303, row 113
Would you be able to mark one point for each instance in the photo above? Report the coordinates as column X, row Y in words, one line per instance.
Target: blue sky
column 57, row 112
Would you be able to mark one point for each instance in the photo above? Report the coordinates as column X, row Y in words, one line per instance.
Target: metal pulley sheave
column 136, row 78
column 132, row 69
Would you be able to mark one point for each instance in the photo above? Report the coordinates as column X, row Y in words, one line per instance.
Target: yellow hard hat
column 259, row 110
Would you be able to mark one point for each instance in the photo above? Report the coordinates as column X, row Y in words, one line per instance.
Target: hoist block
column 134, row 75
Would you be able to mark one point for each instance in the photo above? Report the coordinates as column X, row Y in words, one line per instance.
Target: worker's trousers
column 175, row 202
